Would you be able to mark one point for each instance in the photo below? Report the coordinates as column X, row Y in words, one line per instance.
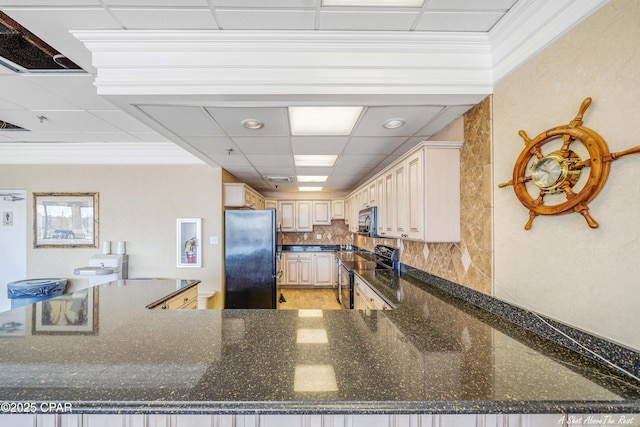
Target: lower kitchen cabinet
column 187, row 299
column 309, row 269
column 364, row 298
column 298, row 269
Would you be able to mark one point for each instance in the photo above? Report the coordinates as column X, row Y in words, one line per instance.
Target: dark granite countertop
column 433, row 354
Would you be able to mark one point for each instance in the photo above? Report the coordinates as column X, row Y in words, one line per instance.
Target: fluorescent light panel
column 310, row 188
column 312, row 178
column 315, row 160
column 323, row 120
column 374, row 3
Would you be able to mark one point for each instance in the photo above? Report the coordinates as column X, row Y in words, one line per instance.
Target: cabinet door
column 291, row 270
column 373, row 200
column 337, row 209
column 380, row 200
column 303, row 216
column 323, row 269
column 399, row 172
column 389, row 205
column 287, row 215
column 322, row 212
column 358, row 297
column 305, row 271
column 270, row 204
column 414, row 199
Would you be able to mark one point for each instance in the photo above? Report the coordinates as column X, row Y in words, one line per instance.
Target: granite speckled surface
column 433, row 354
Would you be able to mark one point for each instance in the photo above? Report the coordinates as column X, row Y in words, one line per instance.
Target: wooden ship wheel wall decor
column 555, row 176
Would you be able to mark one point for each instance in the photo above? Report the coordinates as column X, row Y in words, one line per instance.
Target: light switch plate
column 213, row 240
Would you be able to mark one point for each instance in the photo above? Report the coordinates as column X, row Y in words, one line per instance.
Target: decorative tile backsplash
column 335, row 234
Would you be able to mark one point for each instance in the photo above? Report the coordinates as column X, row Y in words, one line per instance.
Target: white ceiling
column 217, row 62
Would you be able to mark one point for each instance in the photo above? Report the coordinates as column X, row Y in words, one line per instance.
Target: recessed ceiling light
column 315, row 160
column 252, row 124
column 312, row 178
column 309, row 188
column 394, row 123
column 323, row 120
column 394, row 3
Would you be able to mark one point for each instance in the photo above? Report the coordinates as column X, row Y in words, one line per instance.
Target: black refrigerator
column 252, row 250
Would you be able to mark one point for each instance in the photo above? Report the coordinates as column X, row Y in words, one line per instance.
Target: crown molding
column 288, row 62
column 531, row 26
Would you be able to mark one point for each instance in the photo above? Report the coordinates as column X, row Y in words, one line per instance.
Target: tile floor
column 324, row 299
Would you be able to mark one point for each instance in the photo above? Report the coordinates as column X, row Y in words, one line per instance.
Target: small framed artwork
column 68, row 314
column 65, row 220
column 189, row 242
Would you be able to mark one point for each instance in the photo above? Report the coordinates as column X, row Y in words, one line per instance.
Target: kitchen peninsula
column 432, row 354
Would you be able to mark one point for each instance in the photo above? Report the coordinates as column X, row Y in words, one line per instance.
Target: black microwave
column 367, row 222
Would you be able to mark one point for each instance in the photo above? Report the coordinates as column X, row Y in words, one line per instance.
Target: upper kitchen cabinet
column 296, row 215
column 322, row 212
column 418, row 197
column 239, row 195
column 337, row 209
column 270, row 204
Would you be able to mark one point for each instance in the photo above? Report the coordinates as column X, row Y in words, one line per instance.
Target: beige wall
column 588, row 278
column 138, row 204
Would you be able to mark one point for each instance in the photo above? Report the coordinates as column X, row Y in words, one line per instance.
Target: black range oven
column 383, row 258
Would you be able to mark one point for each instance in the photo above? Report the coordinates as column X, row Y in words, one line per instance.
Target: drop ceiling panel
column 75, row 88
column 276, row 170
column 149, row 136
column 212, row 146
column 415, row 117
column 230, row 162
column 230, row 120
column 263, row 145
column 359, row 161
column 447, row 21
column 240, row 19
column 108, row 137
column 183, row 121
column 265, row 3
column 367, row 20
column 313, row 171
column 121, row 120
column 155, row 3
column 270, row 160
column 165, row 19
column 79, row 120
column 376, row 144
column 31, row 96
column 471, row 4
column 318, row 144
column 447, row 116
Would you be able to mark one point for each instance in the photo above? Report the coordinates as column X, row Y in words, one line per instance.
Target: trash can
column 29, row 291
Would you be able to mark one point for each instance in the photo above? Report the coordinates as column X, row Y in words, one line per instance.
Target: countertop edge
column 157, row 302
column 354, row 408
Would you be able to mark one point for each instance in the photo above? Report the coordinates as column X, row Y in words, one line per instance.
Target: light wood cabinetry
column 239, row 195
column 337, row 209
column 302, row 215
column 187, row 299
column 298, row 268
column 270, row 204
column 310, row 269
column 418, row 197
column 324, row 266
column 365, row 298
column 321, row 212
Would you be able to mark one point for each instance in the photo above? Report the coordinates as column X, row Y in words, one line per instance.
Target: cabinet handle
column 404, row 235
column 164, row 307
column 186, row 299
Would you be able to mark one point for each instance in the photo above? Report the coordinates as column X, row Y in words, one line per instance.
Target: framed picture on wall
column 65, row 220
column 68, row 314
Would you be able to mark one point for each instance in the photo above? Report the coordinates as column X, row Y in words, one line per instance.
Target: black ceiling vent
column 22, row 51
column 9, row 126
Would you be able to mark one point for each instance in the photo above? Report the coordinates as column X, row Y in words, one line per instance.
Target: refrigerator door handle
column 278, row 275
